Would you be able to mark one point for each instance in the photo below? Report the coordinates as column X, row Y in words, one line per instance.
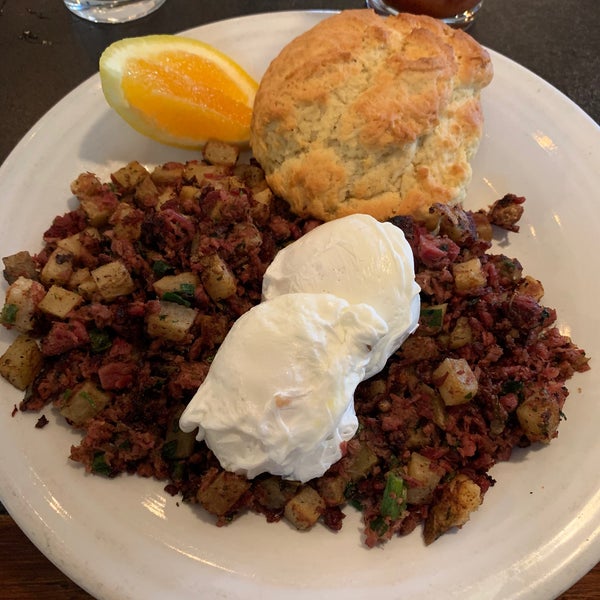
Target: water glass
column 112, row 11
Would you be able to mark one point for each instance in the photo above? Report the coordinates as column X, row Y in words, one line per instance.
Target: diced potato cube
column 168, row 174
column 305, row 508
column 420, row 469
column 483, row 226
column 88, row 288
column 183, row 284
column 189, row 193
column 531, row 287
column 86, row 184
column 146, row 193
column 217, row 278
column 273, row 492
column 417, row 437
column 455, row 381
column 97, row 210
column 91, row 232
column 460, row 497
column 247, row 237
column 359, row 464
column 18, row 265
column 220, row 153
column 83, row 403
column 202, row 174
column 468, row 276
column 455, row 224
column 332, row 489
column 59, row 267
column 129, row 176
column 113, row 280
column 21, row 362
column 166, row 195
column 173, row 322
column 461, row 335
column 127, row 222
column 78, row 277
column 508, row 269
column 20, row 305
column 222, row 493
column 261, row 210
column 440, row 414
column 251, row 175
column 539, row 415
column 229, row 184
column 262, row 193
column 70, row 244
column 59, row 302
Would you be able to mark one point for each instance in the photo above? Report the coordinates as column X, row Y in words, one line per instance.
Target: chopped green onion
column 178, row 444
column 88, row 398
column 432, row 317
column 179, row 470
column 169, row 450
column 9, row 313
column 174, row 297
column 160, row 268
column 379, row 526
column 357, row 504
column 99, row 464
column 393, row 502
column 100, row 340
column 187, row 290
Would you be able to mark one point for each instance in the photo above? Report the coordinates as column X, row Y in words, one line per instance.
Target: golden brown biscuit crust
column 369, row 114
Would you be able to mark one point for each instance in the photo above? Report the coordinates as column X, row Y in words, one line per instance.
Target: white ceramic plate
column 539, row 528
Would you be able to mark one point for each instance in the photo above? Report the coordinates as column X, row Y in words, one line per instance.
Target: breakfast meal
column 371, row 115
column 318, row 327
column 168, row 309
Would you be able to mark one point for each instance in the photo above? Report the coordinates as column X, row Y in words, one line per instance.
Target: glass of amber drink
column 457, row 13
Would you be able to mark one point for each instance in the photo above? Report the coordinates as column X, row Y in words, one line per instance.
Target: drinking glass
column 112, row 11
column 457, row 13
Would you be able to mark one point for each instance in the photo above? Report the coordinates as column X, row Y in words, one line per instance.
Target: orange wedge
column 177, row 90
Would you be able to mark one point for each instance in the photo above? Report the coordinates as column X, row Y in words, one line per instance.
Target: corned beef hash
column 121, row 314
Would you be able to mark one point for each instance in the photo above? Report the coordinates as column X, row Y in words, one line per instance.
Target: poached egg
column 278, row 397
column 361, row 260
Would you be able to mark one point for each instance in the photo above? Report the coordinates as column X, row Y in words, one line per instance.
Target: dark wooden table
column 45, row 52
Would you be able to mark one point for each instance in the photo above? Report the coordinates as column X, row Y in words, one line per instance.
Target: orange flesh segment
column 188, row 96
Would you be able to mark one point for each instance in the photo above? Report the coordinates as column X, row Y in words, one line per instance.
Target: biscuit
column 365, row 114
